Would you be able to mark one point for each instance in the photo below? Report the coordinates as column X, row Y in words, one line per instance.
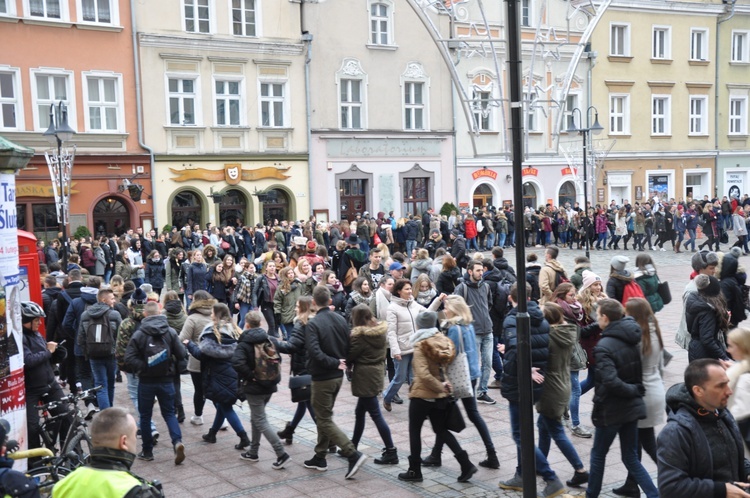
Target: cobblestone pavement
column 215, row 470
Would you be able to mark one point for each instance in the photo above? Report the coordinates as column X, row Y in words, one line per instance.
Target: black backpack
column 100, row 342
column 158, row 353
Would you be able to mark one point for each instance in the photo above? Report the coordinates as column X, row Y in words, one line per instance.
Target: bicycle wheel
column 46, row 477
column 78, row 448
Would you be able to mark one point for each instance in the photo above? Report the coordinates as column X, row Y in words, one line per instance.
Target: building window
column 351, row 104
column 197, row 19
column 380, row 23
column 182, row 101
column 49, row 9
column 103, row 103
column 698, row 115
column 738, row 116
column 96, row 11
column 4, row 6
column 569, row 123
column 414, row 106
column 9, row 104
column 482, row 109
column 660, row 43
column 619, row 114
column 660, row 117
column 532, row 110
column 353, row 197
column 526, row 13
column 619, row 39
column 740, row 46
column 698, row 44
column 416, row 193
column 228, row 103
column 272, row 104
column 244, row 17
column 51, row 89
column 45, row 221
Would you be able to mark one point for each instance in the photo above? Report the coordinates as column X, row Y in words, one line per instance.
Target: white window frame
column 351, row 69
column 195, row 7
column 389, row 5
column 413, row 107
column 481, row 106
column 531, row 111
column 737, row 122
column 625, row 49
column 119, row 105
column 241, row 97
column 740, row 46
column 69, row 89
column 10, row 9
column 702, row 117
column 114, row 13
column 569, row 117
column 258, row 24
column 350, row 105
column 665, row 115
column 661, row 42
column 625, row 113
column 702, row 44
column 285, row 99
column 197, row 104
column 17, row 99
column 64, row 11
column 526, row 13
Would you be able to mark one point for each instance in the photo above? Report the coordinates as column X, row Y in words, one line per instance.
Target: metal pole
column 523, row 321
column 586, row 189
column 62, row 208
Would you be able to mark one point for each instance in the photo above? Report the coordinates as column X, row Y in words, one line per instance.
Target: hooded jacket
column 458, row 331
column 448, row 280
column 555, row 396
column 217, row 373
column 731, row 288
column 478, row 295
column 648, row 280
column 618, row 392
column 548, row 278
column 616, row 284
column 401, row 318
column 72, row 320
column 95, row 312
column 135, row 358
column 458, row 251
column 418, row 267
column 327, row 342
column 539, row 350
column 703, row 327
column 367, row 345
column 199, row 316
column 433, row 351
column 285, row 301
column 243, row 362
column 693, row 445
column 155, row 273
column 175, row 314
column 577, row 277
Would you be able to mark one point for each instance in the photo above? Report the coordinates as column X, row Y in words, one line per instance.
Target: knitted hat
column 434, row 231
column 702, row 260
column 707, row 285
column 147, row 288
column 589, row 279
column 139, row 297
column 619, row 262
column 736, row 252
column 427, row 320
column 311, row 246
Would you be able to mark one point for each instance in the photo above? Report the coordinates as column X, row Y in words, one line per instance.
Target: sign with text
column 484, row 173
column 530, row 171
column 383, row 147
column 734, row 184
column 569, row 171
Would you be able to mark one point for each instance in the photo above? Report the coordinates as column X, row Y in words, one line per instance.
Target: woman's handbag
column 458, row 371
column 663, row 290
column 578, row 358
column 454, row 421
column 300, row 387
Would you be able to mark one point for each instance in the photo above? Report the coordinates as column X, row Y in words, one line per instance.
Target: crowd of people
column 428, row 301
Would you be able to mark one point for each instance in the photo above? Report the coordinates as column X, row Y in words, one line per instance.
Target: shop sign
column 232, row 174
column 569, row 171
column 530, row 171
column 600, row 195
column 735, row 184
column 463, row 204
column 484, row 173
column 31, row 190
column 383, row 147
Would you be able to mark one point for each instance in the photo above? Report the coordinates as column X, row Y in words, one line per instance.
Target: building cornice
column 222, row 158
column 685, row 8
column 655, row 154
column 220, row 44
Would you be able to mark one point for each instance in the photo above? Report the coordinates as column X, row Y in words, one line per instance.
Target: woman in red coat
column 470, row 232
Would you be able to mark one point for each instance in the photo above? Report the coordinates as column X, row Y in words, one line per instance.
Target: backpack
column 99, row 337
column 158, row 355
column 267, row 370
column 631, row 290
column 560, row 278
column 123, row 338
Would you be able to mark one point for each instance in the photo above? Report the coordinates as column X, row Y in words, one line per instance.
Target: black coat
column 448, row 280
column 155, row 273
column 327, row 342
column 458, row 251
column 297, row 347
column 218, row 376
column 244, row 362
column 539, row 350
column 731, row 288
column 618, row 390
column 703, row 325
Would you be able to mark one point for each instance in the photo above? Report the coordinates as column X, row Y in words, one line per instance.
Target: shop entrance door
column 352, row 198
column 482, row 196
column 111, row 217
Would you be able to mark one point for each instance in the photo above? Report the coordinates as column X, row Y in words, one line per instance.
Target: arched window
column 482, row 196
column 567, row 194
column 186, row 208
column 277, row 206
column 232, row 208
column 529, row 195
column 111, row 217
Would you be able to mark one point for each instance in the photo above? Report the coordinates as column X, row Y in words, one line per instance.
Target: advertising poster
column 658, row 186
column 735, row 185
column 12, row 393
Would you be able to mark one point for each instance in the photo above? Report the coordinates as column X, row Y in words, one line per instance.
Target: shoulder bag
column 664, row 291
column 458, row 371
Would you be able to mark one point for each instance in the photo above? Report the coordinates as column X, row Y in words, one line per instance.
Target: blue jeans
column 107, row 275
column 501, row 239
column 497, row 360
column 472, row 243
column 224, row 411
column 680, row 236
column 550, row 429
column 244, row 308
column 575, row 398
column 403, row 374
column 588, row 384
column 133, row 394
column 164, row 393
column 691, row 242
column 137, row 282
column 370, row 405
column 603, row 438
column 542, row 466
column 103, row 370
column 286, row 329
column 410, row 245
column 485, row 343
column 601, row 239
column 302, row 407
column 490, row 241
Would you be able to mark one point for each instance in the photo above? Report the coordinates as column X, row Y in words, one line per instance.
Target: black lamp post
column 596, row 129
column 60, row 167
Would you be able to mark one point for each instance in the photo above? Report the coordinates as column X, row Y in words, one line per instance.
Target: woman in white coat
column 738, row 345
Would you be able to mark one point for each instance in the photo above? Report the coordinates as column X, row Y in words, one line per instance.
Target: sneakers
column 495, row 384
column 355, row 462
column 155, row 437
column 316, row 463
column 515, row 483
column 90, row 411
column 196, row 420
column 579, row 431
column 281, row 461
column 250, row 457
column 553, row 488
column 578, row 479
column 483, row 398
column 179, row 453
column 397, row 400
column 147, row 456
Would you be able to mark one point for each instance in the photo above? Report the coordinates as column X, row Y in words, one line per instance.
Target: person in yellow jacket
column 114, row 443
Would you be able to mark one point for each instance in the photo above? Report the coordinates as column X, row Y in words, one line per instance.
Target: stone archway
column 111, row 216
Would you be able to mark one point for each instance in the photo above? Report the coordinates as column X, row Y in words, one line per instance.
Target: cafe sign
column 32, row 190
column 530, row 172
column 569, row 171
column 484, row 173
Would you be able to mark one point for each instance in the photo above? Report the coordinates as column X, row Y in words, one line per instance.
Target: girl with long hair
column 426, row 292
column 284, row 301
column 361, row 294
column 707, row 320
column 646, row 277
column 263, row 293
column 196, row 276
column 338, row 296
column 449, row 276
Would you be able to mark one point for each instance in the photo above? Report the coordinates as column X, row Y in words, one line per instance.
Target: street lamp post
column 60, row 163
column 596, row 129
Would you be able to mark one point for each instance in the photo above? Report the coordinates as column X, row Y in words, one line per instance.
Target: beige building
column 223, row 87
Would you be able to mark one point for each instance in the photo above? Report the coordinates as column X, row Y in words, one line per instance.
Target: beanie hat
column 589, row 279
column 434, row 231
column 736, row 252
column 707, row 285
column 619, row 262
column 139, row 296
column 311, row 246
column 455, row 232
column 427, row 320
column 147, row 288
column 702, row 260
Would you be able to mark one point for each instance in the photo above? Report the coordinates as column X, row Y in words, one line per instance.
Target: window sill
column 184, row 128
column 47, row 22
column 697, row 135
column 273, row 128
column 738, row 136
column 620, row 58
column 536, row 132
column 739, row 63
column 375, row 46
column 661, row 136
column 695, row 62
column 620, row 135
column 488, row 132
column 7, row 18
column 99, row 27
column 231, row 128
column 661, row 61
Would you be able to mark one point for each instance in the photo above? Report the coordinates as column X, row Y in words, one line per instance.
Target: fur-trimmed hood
column 202, row 306
column 436, row 347
column 370, row 331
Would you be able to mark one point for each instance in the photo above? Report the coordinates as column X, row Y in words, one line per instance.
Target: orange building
column 79, row 52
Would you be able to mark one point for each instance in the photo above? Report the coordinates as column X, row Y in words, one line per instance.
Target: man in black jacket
column 618, row 396
column 327, row 348
column 458, row 248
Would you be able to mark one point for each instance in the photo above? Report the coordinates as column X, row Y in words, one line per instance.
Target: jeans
column 551, row 429
column 542, row 466
column 287, row 329
column 107, row 275
column 164, row 393
column 575, row 398
column 603, row 438
column 588, row 384
column 372, row 406
column 472, row 242
column 244, row 308
column 691, row 242
column 224, row 411
column 649, row 233
column 103, row 370
column 490, row 241
column 419, row 411
column 472, row 412
column 198, row 400
column 267, row 310
column 83, row 373
column 680, row 237
column 133, row 383
column 602, row 239
column 501, row 239
column 403, row 374
column 410, row 245
column 485, row 356
column 323, row 397
column 497, row 360
column 260, row 425
column 302, row 407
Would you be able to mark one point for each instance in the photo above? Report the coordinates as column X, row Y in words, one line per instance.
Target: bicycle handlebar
column 33, row 453
column 71, row 398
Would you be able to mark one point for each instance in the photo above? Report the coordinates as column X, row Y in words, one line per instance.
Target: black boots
column 389, row 457
column 433, row 460
column 287, row 434
column 467, row 468
column 180, row 414
column 210, row 437
column 630, row 488
column 244, row 441
column 414, row 474
column 491, row 462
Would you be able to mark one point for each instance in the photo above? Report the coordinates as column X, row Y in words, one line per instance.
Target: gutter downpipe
column 455, row 130
column 307, row 38
column 716, row 99
column 139, row 109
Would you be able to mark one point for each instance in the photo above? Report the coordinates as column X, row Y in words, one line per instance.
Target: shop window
column 277, row 206
column 567, row 194
column 232, row 208
column 186, row 209
column 45, row 221
column 416, row 194
column 111, row 217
